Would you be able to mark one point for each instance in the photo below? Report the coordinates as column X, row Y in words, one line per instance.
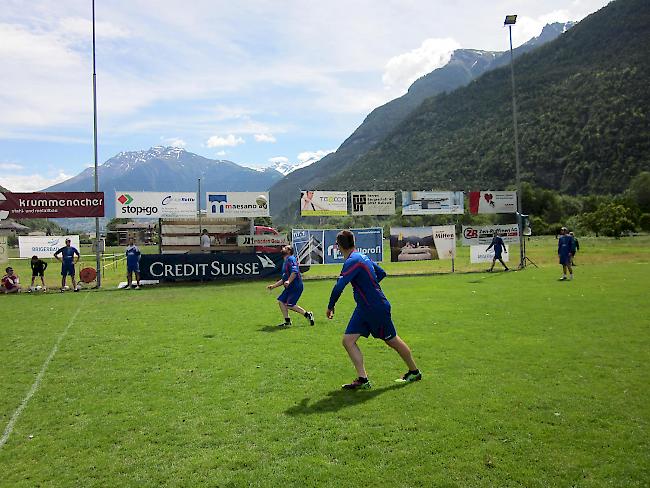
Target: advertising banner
column 373, row 202
column 482, row 235
column 422, row 243
column 237, row 204
column 262, row 240
column 44, row 246
column 4, row 249
column 319, row 246
column 209, row 267
column 478, row 254
column 44, row 205
column 323, row 203
column 155, row 205
column 432, row 202
column 492, row 202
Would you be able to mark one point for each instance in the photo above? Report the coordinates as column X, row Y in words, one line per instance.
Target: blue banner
column 208, row 267
column 319, row 246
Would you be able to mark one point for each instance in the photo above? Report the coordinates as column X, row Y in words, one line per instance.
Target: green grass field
column 527, row 382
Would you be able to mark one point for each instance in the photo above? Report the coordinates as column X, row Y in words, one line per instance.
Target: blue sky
column 247, row 81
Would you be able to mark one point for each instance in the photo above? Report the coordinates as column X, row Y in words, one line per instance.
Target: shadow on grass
column 339, row 399
column 273, row 328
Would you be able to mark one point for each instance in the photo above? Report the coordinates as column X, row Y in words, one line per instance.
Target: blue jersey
column 132, row 255
column 365, row 276
column 289, row 266
column 565, row 245
column 67, row 254
column 498, row 245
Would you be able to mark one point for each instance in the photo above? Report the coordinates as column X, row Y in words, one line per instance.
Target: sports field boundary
column 37, row 382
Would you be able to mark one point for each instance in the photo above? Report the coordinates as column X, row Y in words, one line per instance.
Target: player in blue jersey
column 132, row 264
column 499, row 247
column 564, row 251
column 293, row 287
column 69, row 256
column 372, row 314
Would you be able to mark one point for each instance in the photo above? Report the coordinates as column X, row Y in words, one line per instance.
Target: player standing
column 69, row 257
column 499, row 247
column 132, row 264
column 293, row 287
column 372, row 314
column 564, row 251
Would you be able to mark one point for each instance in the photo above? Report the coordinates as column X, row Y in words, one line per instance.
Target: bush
column 644, row 222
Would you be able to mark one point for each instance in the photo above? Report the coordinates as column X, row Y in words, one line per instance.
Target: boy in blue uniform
column 132, row 264
column 69, row 257
column 564, row 252
column 372, row 315
column 499, row 247
column 293, row 287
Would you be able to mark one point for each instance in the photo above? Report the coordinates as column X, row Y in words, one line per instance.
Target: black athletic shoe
column 310, row 317
column 408, row 377
column 357, row 385
column 285, row 324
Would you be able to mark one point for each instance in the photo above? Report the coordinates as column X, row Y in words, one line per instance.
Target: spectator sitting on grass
column 10, row 282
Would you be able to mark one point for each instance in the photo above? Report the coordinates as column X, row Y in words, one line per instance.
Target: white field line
column 14, row 418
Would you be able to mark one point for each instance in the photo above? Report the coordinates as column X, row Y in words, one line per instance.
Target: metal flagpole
column 97, row 246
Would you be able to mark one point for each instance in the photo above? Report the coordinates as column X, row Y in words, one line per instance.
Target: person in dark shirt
column 576, row 248
column 564, row 250
column 372, row 314
column 38, row 269
column 499, row 247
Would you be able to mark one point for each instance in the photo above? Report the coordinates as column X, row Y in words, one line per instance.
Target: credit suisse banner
column 492, row 202
column 237, row 204
column 155, row 205
column 422, row 243
column 209, row 267
column 478, row 254
column 432, row 202
column 43, row 246
column 319, row 246
column 482, row 236
column 323, row 203
column 43, row 205
column 373, row 202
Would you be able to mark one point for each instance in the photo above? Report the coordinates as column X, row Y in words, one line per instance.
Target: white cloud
column 278, row 160
column 34, row 182
column 229, row 141
column 309, row 157
column 10, row 166
column 528, row 27
column 174, row 141
column 221, row 153
column 402, row 70
column 264, row 138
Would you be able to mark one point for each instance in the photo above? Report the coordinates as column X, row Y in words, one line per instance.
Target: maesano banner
column 492, row 202
column 237, row 204
column 422, row 243
column 44, row 205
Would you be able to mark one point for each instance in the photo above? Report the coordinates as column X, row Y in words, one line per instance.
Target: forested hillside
column 583, row 116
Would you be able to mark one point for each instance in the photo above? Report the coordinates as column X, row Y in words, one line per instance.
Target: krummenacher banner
column 321, row 203
column 319, row 246
column 422, row 243
column 432, row 202
column 237, row 204
column 482, row 235
column 155, row 205
column 208, row 267
column 373, row 202
column 478, row 254
column 44, row 205
column 492, row 202
column 44, row 246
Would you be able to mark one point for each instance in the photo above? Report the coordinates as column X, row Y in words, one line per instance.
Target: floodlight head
column 510, row 20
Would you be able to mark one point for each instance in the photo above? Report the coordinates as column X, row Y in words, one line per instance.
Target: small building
column 10, row 227
column 142, row 232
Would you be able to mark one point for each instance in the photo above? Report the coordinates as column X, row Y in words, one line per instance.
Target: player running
column 69, row 257
column 499, row 247
column 132, row 264
column 293, row 287
column 372, row 315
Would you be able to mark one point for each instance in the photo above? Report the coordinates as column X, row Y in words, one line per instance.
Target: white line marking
column 39, row 378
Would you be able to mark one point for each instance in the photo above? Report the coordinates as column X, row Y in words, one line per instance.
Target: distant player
column 38, row 270
column 205, row 241
column 499, row 246
column 293, row 287
column 10, row 282
column 69, row 256
column 132, row 264
column 576, row 248
column 372, row 314
column 564, row 250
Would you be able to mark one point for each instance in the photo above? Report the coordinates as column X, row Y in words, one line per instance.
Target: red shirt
column 10, row 282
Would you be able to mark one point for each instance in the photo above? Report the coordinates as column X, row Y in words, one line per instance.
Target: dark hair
column 9, row 268
column 205, row 231
column 345, row 239
column 34, row 257
column 289, row 249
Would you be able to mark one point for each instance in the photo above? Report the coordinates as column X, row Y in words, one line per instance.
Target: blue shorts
column 67, row 269
column 133, row 268
column 291, row 295
column 379, row 324
column 565, row 259
column 497, row 255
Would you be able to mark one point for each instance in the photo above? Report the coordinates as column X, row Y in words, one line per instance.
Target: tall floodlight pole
column 510, row 21
column 97, row 247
